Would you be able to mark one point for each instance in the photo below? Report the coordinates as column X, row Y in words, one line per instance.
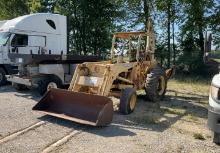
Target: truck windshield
column 4, row 38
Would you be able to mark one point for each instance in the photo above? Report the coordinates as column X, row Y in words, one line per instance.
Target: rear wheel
column 156, row 84
column 2, row 77
column 19, row 87
column 46, row 84
column 216, row 138
column 128, row 101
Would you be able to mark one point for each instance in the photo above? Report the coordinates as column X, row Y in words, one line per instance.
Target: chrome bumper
column 19, row 80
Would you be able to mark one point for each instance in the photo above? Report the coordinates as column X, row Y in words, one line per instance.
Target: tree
column 42, row 6
column 215, row 23
column 167, row 8
column 13, row 8
column 194, row 24
column 90, row 24
column 135, row 14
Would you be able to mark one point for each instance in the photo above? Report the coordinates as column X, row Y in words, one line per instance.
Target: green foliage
column 42, row 6
column 13, row 8
column 180, row 25
column 215, row 23
column 91, row 24
column 190, row 59
column 193, row 24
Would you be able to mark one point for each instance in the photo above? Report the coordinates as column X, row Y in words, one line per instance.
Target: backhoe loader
column 132, row 66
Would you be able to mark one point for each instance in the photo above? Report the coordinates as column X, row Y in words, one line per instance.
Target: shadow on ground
column 147, row 116
column 108, row 131
column 27, row 93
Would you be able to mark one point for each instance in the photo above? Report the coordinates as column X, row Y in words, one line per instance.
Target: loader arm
column 98, row 78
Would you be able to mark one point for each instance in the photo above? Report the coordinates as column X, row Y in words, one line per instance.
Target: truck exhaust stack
column 78, row 107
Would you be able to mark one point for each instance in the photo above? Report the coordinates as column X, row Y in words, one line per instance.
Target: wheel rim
column 161, row 85
column 51, row 85
column 133, row 101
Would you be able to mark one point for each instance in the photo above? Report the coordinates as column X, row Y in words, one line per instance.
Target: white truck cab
column 214, row 108
column 38, row 45
column 42, row 32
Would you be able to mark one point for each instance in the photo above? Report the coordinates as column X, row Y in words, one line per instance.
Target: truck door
column 4, row 55
column 19, row 44
column 24, row 44
column 4, row 37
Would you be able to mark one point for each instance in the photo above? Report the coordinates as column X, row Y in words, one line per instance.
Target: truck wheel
column 216, row 138
column 19, row 87
column 128, row 101
column 156, row 84
column 47, row 84
column 2, row 77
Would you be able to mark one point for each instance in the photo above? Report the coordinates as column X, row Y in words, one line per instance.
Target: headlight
column 215, row 93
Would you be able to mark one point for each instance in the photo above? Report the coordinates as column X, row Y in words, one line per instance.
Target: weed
column 208, row 136
column 193, row 85
column 192, row 117
column 198, row 136
column 174, row 111
column 145, row 120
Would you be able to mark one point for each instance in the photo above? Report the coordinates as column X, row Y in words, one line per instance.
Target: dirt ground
column 179, row 125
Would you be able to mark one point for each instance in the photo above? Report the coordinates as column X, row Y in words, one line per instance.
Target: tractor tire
column 3, row 79
column 216, row 138
column 19, row 87
column 156, row 84
column 47, row 84
column 128, row 101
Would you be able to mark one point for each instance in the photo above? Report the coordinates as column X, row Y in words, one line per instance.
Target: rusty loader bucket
column 78, row 107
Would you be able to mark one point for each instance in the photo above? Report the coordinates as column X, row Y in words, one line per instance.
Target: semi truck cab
column 37, row 44
column 30, row 34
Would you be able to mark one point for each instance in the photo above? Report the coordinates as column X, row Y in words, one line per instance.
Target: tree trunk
column 146, row 12
column 168, row 31
column 84, row 28
column 174, row 49
column 201, row 43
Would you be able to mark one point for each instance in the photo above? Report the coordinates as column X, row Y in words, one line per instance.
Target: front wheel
column 128, row 101
column 45, row 85
column 156, row 84
column 216, row 138
column 3, row 79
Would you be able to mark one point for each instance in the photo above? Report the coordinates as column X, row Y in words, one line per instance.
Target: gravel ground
column 170, row 128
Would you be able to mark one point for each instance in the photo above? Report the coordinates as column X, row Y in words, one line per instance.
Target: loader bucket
column 78, row 107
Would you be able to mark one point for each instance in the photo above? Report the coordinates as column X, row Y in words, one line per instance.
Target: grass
column 217, row 60
column 175, row 111
column 192, row 117
column 208, row 136
column 145, row 119
column 193, row 84
column 198, row 136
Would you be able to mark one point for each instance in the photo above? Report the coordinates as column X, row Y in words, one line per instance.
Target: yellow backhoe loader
column 132, row 67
